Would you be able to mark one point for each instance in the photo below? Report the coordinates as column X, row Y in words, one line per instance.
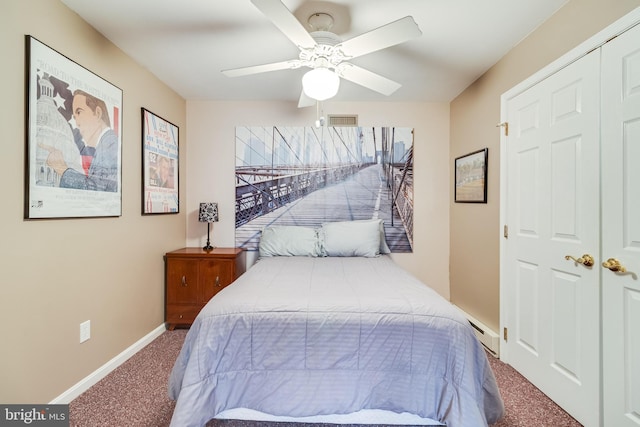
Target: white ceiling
column 186, row 43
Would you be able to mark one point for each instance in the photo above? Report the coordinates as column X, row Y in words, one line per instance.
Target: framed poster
column 293, row 175
column 471, row 177
column 74, row 135
column 160, row 193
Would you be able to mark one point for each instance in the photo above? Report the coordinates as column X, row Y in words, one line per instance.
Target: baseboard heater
column 487, row 337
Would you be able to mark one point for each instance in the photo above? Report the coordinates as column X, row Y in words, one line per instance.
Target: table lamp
column 208, row 213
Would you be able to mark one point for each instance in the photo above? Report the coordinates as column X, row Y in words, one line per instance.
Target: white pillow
column 384, row 248
column 289, row 240
column 351, row 238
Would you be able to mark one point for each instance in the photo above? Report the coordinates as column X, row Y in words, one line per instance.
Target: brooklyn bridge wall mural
column 306, row 176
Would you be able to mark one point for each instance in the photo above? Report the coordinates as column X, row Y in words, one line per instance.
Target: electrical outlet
column 85, row 331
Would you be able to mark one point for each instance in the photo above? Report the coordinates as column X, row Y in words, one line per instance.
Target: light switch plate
column 85, row 331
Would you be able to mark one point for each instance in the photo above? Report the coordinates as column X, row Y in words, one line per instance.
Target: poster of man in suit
column 73, row 139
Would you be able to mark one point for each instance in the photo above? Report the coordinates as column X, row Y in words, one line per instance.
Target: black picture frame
column 160, row 165
column 470, row 183
column 73, row 138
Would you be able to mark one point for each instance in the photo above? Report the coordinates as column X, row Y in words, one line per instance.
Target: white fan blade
column 393, row 33
column 286, row 22
column 367, row 79
column 255, row 69
column 305, row 101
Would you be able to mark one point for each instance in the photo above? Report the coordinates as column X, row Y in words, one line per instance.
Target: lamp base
column 208, row 246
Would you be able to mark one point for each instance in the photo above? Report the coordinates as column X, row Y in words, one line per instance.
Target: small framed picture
column 471, row 177
column 160, row 158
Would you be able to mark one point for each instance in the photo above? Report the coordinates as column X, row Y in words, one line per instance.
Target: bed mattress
column 305, row 336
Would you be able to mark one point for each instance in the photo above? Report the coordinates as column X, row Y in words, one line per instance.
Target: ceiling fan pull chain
column 319, row 115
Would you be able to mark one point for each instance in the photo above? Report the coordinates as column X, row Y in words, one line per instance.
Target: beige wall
column 475, row 229
column 59, row 273
column 211, row 161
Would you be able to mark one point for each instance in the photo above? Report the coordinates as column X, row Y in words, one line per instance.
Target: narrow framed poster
column 160, row 157
column 74, row 134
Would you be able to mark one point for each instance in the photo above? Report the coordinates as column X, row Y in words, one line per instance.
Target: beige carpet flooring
column 135, row 395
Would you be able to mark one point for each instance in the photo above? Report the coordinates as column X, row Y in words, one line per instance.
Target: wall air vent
column 343, row 120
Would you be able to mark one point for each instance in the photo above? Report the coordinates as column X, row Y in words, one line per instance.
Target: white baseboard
column 107, row 368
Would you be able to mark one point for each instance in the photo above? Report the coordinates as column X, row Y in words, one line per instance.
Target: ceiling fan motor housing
column 323, row 54
column 326, row 38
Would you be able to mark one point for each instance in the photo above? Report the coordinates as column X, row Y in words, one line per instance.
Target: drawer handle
column 184, row 281
column 181, row 316
column 218, row 284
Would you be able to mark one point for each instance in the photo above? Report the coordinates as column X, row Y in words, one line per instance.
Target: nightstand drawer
column 182, row 314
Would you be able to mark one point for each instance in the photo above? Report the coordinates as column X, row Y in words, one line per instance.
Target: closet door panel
column 553, row 302
column 631, row 184
column 621, row 229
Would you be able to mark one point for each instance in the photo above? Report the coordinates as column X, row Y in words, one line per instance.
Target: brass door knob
column 586, row 259
column 614, row 265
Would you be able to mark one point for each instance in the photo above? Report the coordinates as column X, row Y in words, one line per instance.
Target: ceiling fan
column 327, row 55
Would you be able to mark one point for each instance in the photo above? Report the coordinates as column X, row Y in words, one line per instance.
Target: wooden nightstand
column 193, row 276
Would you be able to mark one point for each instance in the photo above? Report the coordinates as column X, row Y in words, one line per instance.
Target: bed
column 331, row 332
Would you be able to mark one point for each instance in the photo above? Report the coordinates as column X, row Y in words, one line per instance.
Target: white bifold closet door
column 571, row 273
column 553, row 302
column 621, row 229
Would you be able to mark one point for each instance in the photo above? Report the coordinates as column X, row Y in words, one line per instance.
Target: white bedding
column 364, row 416
column 303, row 336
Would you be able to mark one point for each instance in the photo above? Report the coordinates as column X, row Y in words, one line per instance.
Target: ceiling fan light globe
column 320, row 83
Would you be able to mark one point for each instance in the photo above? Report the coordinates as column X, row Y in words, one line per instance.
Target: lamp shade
column 320, row 83
column 208, row 212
